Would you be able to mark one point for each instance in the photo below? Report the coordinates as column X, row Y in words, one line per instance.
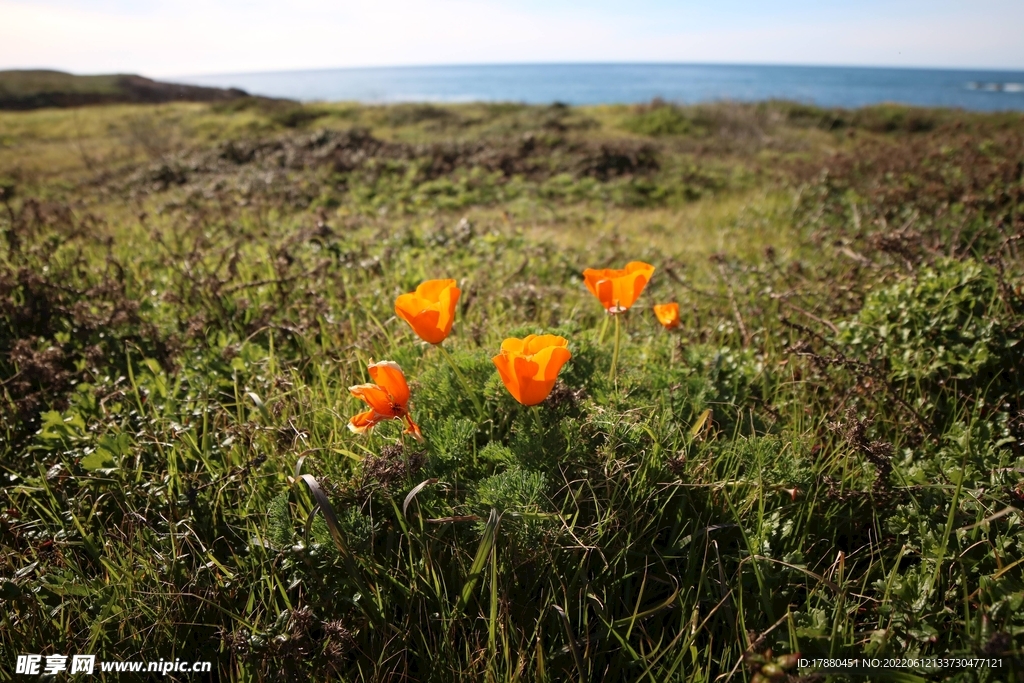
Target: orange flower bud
column 430, row 310
column 529, row 367
column 618, row 289
column 668, row 315
column 388, row 399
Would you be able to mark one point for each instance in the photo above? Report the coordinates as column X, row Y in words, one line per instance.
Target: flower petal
column 550, row 361
column 431, row 289
column 378, row 398
column 447, row 301
column 506, row 369
column 537, row 342
column 531, row 391
column 617, row 290
column 591, row 276
column 389, row 376
column 640, row 267
column 535, row 391
column 529, row 367
column 365, row 421
column 667, row 314
column 413, row 428
column 430, row 310
column 514, row 346
column 602, row 286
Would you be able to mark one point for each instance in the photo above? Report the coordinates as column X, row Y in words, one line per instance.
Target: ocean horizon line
column 498, row 65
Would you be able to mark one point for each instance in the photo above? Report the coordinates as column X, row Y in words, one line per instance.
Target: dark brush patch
column 878, row 452
column 394, row 465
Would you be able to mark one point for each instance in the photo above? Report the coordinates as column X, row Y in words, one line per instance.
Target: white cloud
column 178, row 37
column 193, row 37
column 982, row 42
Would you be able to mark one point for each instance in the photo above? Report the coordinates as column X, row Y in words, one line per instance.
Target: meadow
column 824, row 459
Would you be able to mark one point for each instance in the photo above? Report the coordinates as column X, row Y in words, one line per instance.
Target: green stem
column 464, row 382
column 604, row 328
column 615, row 354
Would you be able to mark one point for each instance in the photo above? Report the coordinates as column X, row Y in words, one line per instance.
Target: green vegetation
column 825, row 458
column 660, row 118
column 25, row 83
column 34, row 89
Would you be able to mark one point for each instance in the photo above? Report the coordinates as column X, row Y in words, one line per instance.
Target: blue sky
column 186, row 37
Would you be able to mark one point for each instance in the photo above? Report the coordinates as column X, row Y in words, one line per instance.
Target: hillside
column 35, row 89
column 822, row 459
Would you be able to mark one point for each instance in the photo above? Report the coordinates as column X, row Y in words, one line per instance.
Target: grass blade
column 483, row 553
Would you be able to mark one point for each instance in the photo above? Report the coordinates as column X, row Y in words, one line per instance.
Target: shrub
column 658, row 119
column 946, row 327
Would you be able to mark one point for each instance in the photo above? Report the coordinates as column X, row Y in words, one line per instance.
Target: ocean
column 631, row 83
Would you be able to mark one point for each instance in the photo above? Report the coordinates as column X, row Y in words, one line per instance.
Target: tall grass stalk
column 615, row 353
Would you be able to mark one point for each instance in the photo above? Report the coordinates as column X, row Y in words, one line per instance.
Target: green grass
column 187, row 292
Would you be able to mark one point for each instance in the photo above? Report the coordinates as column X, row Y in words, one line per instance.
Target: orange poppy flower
column 668, row 314
column 430, row 310
column 618, row 289
column 529, row 367
column 388, row 399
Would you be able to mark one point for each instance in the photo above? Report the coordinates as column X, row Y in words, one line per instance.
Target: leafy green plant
column 946, row 329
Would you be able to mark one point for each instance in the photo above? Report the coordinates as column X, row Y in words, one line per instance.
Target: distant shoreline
column 540, row 84
column 625, row 83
